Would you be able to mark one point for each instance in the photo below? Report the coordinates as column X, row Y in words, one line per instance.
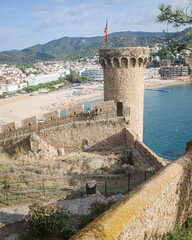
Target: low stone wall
column 141, row 153
column 29, row 123
column 10, row 127
column 41, row 148
column 16, row 144
column 106, row 110
column 104, row 106
column 155, row 207
column 75, row 110
column 100, row 135
column 52, row 115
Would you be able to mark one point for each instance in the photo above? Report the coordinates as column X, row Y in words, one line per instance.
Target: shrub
column 6, row 184
column 43, row 220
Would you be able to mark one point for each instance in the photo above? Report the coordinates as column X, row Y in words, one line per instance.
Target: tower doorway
column 119, row 109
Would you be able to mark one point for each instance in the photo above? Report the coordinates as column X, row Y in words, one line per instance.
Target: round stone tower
column 124, row 82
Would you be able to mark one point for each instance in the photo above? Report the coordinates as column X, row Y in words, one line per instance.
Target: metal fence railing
column 68, row 187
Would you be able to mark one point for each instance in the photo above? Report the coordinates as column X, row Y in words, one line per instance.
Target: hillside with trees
column 74, row 48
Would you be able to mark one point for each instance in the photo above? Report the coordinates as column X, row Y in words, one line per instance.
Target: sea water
column 167, row 120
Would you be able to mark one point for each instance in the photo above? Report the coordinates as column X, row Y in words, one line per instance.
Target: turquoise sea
column 167, row 120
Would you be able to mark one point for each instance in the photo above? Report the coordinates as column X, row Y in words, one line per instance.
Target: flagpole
column 105, row 31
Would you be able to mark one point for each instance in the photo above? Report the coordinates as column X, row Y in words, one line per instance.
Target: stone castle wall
column 104, row 134
column 29, row 123
column 108, row 109
column 139, row 152
column 101, row 135
column 51, row 116
column 124, row 81
column 155, row 207
column 10, row 127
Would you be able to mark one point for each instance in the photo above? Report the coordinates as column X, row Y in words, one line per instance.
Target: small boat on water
column 160, row 90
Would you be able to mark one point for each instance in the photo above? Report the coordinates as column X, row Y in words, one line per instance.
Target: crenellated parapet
column 51, row 116
column 53, row 119
column 124, row 57
column 29, row 122
column 10, row 127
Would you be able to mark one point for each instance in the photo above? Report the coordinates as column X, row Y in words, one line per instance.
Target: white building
column 95, row 74
column 8, row 88
column 35, row 80
column 152, row 73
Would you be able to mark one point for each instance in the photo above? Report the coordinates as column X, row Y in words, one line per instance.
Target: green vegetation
column 68, row 48
column 180, row 233
column 73, row 78
column 24, row 67
column 48, row 85
column 7, row 94
column 49, row 222
column 46, row 221
column 177, row 17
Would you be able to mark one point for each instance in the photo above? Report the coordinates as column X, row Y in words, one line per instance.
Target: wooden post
column 105, row 184
column 6, row 192
column 81, row 187
column 129, row 182
column 43, row 185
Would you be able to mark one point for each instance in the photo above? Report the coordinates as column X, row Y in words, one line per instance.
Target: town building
column 35, row 80
column 95, row 74
column 174, row 71
column 152, row 73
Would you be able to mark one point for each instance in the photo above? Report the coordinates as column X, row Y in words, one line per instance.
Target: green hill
column 72, row 48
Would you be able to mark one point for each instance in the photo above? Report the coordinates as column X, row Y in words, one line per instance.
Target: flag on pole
column 106, row 39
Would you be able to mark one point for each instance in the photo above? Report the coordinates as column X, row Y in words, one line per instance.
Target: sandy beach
column 24, row 106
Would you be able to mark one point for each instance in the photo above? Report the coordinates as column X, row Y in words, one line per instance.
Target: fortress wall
column 75, row 110
column 53, row 119
column 141, row 153
column 10, row 127
column 13, row 144
column 41, row 149
column 154, row 207
column 52, row 115
column 107, row 109
column 108, row 106
column 29, row 123
column 101, row 135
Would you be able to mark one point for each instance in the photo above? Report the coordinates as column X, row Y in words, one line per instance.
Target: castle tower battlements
column 124, row 81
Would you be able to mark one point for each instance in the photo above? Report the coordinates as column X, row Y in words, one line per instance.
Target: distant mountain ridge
column 72, row 48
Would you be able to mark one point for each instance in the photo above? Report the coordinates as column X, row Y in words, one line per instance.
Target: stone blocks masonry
column 124, row 81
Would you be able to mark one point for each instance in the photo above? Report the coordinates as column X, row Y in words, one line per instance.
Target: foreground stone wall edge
column 155, row 207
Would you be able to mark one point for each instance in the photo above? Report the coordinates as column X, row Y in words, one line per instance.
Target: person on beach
column 87, row 114
column 96, row 113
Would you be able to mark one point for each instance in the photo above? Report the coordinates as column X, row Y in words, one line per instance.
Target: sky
column 24, row 23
